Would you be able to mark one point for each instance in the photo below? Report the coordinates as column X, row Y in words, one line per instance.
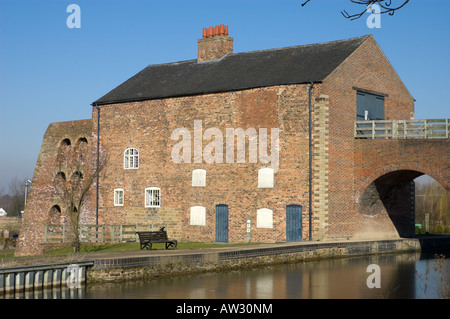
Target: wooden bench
column 147, row 238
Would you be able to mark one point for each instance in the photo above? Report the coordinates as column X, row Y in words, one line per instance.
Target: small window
column 118, row 197
column 264, row 218
column 152, row 197
column 198, row 215
column 265, row 177
column 199, row 177
column 131, row 158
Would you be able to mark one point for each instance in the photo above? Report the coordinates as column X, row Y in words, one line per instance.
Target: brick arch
column 414, row 172
column 388, row 197
column 370, row 80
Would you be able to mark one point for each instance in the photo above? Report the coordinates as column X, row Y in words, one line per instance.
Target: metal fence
column 395, row 129
column 96, row 233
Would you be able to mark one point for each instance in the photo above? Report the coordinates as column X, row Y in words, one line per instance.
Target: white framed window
column 118, row 197
column 152, row 197
column 265, row 177
column 198, row 215
column 264, row 218
column 131, row 158
column 199, row 177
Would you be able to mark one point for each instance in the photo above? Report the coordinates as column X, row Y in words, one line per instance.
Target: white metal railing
column 392, row 129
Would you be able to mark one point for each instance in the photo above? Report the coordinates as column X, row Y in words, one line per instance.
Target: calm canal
column 407, row 276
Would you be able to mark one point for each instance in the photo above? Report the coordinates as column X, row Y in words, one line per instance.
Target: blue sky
column 52, row 73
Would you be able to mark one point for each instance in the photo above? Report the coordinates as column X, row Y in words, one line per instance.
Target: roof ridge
column 303, row 45
column 260, row 51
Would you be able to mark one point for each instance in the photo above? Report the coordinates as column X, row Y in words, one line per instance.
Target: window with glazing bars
column 118, row 197
column 152, row 197
column 131, row 158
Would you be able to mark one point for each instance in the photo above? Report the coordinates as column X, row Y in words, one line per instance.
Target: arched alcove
column 54, row 215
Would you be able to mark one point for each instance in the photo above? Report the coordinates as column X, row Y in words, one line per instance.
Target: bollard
column 29, row 280
column 9, row 282
column 82, row 275
column 48, row 278
column 56, row 277
column 39, row 279
column 20, row 281
column 2, row 283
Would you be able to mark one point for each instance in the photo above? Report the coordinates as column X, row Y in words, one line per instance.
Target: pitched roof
column 290, row 65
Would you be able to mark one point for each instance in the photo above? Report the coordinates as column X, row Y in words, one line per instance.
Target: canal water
column 406, row 276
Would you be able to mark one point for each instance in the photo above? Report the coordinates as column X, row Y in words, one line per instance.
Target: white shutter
column 265, row 177
column 198, row 215
column 264, row 218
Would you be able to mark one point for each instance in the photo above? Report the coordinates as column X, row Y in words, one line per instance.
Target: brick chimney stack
column 215, row 43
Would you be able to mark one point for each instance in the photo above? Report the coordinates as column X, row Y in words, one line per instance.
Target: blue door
column 222, row 223
column 293, row 223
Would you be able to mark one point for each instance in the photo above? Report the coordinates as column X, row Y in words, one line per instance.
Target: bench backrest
column 152, row 235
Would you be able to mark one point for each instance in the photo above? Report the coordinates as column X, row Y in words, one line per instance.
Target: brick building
column 218, row 148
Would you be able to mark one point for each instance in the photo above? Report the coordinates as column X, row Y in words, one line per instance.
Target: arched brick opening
column 389, row 199
column 54, row 215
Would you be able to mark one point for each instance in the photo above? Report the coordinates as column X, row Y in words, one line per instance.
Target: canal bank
column 163, row 263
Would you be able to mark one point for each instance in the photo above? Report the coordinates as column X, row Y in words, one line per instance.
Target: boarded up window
column 265, row 177
column 198, row 215
column 199, row 177
column 264, row 218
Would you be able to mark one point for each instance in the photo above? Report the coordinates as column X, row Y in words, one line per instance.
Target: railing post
column 446, row 128
column 373, row 129
column 45, row 233
column 394, row 129
column 425, row 127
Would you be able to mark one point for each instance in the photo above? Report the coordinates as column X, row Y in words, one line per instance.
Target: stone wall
column 182, row 264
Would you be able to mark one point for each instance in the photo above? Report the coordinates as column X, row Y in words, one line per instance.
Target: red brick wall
column 43, row 196
column 366, row 69
column 148, row 126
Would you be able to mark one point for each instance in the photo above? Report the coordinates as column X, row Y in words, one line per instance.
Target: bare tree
column 17, row 193
column 385, row 6
column 73, row 191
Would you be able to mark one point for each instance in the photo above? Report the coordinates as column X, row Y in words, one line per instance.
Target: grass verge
column 7, row 258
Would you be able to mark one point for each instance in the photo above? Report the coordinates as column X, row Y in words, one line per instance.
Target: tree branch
column 385, row 6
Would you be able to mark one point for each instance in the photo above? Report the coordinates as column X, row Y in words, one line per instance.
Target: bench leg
column 171, row 244
column 148, row 246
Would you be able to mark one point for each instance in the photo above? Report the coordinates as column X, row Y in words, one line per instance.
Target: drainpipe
column 310, row 160
column 98, row 160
